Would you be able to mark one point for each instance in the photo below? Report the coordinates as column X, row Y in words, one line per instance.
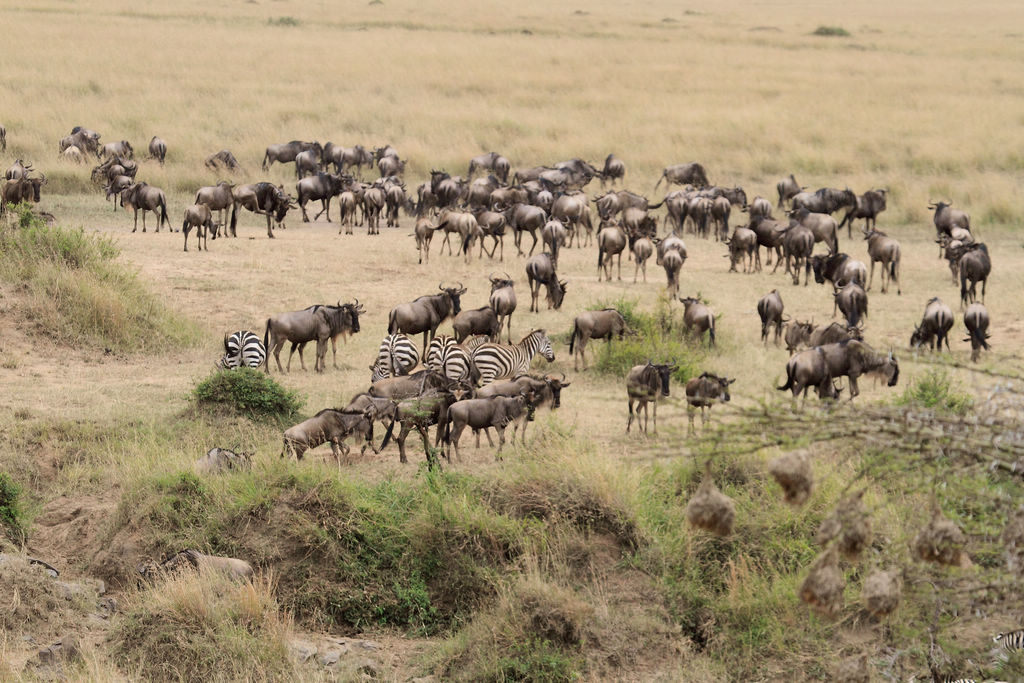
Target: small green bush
column 283, row 21
column 936, row 390
column 250, row 393
column 831, row 31
column 12, row 517
column 657, row 337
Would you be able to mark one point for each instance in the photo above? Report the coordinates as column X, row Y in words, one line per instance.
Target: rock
column 369, row 645
column 368, row 667
column 330, row 658
column 66, row 649
column 302, row 650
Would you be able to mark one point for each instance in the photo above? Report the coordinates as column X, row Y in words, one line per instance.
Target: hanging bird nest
column 849, row 525
column 793, row 473
column 710, row 509
column 1013, row 539
column 881, row 592
column 823, row 587
column 853, row 670
column 941, row 541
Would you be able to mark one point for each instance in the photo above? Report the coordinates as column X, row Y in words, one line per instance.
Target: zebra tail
column 387, row 434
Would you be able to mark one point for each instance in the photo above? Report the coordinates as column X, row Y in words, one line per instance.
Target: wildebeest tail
column 387, row 434
column 234, row 220
column 392, row 323
column 655, row 206
column 789, row 380
column 711, row 335
column 892, row 268
column 163, row 214
column 659, row 181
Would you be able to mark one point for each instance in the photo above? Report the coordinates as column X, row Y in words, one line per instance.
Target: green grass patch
column 831, row 31
column 283, row 21
column 12, row 515
column 936, row 389
column 250, row 393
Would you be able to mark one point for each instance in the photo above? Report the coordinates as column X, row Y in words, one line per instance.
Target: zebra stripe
column 495, row 361
column 396, row 356
column 1012, row 641
column 243, row 349
column 435, row 352
column 450, row 359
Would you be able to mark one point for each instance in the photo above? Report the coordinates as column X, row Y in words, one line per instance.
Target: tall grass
column 657, row 337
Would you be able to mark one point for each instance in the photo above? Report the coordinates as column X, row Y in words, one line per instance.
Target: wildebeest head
column 455, row 293
column 556, row 385
column 354, row 310
column 556, row 292
column 664, row 373
column 891, row 367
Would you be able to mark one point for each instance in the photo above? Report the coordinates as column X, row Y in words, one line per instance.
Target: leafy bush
column 657, row 337
column 250, row 393
column 831, row 31
column 283, row 21
column 936, row 390
column 11, row 514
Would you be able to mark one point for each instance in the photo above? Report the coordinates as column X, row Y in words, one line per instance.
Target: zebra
column 243, row 349
column 396, row 356
column 503, row 360
column 451, row 360
column 1010, row 642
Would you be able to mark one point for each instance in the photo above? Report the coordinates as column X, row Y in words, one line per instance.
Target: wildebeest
column 424, row 233
column 613, row 170
column 854, row 358
column 83, row 138
column 684, row 174
column 73, row 154
column 426, row 313
column 797, row 334
column 798, row 246
column 374, row 201
column 540, row 270
column 344, row 158
column 18, row 170
column 672, row 262
column 554, row 236
column 460, row 223
column 698, row 319
column 838, row 269
column 223, row 160
column 3, row 138
column 833, row 333
column 193, row 560
column 821, row 225
column 868, row 206
column 491, row 161
column 642, row 248
column 546, row 390
column 825, row 200
column 144, row 197
column 200, row 217
column 24, row 189
column 525, row 218
column 611, row 242
column 769, row 308
column 115, row 187
column 421, row 413
column 671, row 242
column 286, row 152
column 935, row 326
column 330, row 426
column 976, row 322
column 646, row 384
column 603, row 324
column 492, row 224
column 787, row 189
column 852, row 301
column 573, row 210
column 320, row 323
column 759, row 208
column 481, row 320
column 806, row 369
column 158, row 149
column 975, row 265
column 322, row 186
column 219, row 198
column 503, row 302
column 262, row 198
column 482, row 413
column 946, row 218
column 307, row 163
column 391, row 166
column 884, row 250
column 743, row 247
column 703, row 392
column 122, row 149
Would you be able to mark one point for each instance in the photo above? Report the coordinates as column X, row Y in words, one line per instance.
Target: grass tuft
column 831, row 31
column 12, row 515
column 249, row 393
column 937, row 390
column 657, row 337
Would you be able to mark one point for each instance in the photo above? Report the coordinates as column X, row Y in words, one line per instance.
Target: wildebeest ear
column 732, row 380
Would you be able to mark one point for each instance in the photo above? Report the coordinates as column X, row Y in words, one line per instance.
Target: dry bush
column 710, row 509
column 823, row 587
column 36, row 603
column 849, row 526
column 793, row 473
column 941, row 541
column 882, row 591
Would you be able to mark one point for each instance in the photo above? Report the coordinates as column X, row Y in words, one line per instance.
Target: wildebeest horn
column 42, row 177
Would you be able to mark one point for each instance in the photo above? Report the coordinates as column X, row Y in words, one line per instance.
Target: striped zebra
column 396, row 356
column 451, row 360
column 243, row 349
column 496, row 361
column 1011, row 642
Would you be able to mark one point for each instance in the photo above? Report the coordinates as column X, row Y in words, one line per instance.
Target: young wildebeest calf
column 672, row 261
column 974, row 265
column 797, row 334
column 481, row 413
column 976, row 321
column 770, row 307
column 852, row 300
column 646, row 384
column 603, row 324
column 703, row 392
column 200, row 217
column 934, row 327
column 743, row 247
column 330, row 425
column 698, row 319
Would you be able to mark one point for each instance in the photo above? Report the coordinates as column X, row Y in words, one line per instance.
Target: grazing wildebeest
column 158, row 149
column 868, row 206
column 322, row 186
column 684, row 174
column 318, row 322
column 974, row 265
column 806, row 369
column 219, row 198
column 833, row 333
column 424, row 232
column 852, row 300
column 286, row 152
column 481, row 413
column 935, row 326
column 496, row 361
column 262, row 198
column 838, row 269
column 144, row 197
column 646, row 384
column 884, row 250
column 200, row 217
column 769, row 308
column 333, row 426
column 23, row 189
column 698, row 319
column 611, row 242
column 481, row 320
column 672, row 262
column 854, row 358
column 798, row 245
column 493, row 162
column 613, row 170
column 426, row 313
column 540, row 270
column 821, row 225
column 703, row 392
column 223, row 160
column 798, row 334
column 603, row 324
column 787, row 189
column 976, row 321
column 642, row 248
column 503, row 302
column 946, row 218
column 743, row 247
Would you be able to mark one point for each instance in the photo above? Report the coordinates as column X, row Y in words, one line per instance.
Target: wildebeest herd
column 473, row 379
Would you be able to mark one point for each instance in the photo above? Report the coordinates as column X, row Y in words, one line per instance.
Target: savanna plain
column 571, row 557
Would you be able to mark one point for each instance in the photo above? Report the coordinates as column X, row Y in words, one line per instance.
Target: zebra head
column 545, row 347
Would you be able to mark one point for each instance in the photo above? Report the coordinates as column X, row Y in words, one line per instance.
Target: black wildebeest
column 868, row 206
column 603, row 324
column 491, row 161
column 885, row 250
column 158, row 149
column 262, row 198
column 684, row 174
column 935, row 326
column 806, row 369
column 852, row 300
column 787, row 189
column 698, row 319
column 426, row 313
column 318, row 322
column 144, row 197
column 503, row 302
column 975, row 265
column 287, row 151
column 703, row 392
column 854, row 358
column 200, row 217
column 769, row 308
column 613, row 170
column 646, row 384
column 483, row 413
column 838, row 269
column 540, row 270
column 976, row 322
column 322, row 186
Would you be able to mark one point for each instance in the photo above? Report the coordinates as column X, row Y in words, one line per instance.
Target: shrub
column 12, row 517
column 657, row 337
column 936, row 390
column 283, row 21
column 831, row 31
column 250, row 393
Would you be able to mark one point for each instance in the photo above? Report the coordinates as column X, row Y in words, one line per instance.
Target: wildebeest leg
column 690, row 410
column 456, row 434
column 871, row 277
column 501, row 441
column 630, row 422
column 620, row 266
column 854, row 391
column 402, row 435
column 305, row 216
column 533, row 234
